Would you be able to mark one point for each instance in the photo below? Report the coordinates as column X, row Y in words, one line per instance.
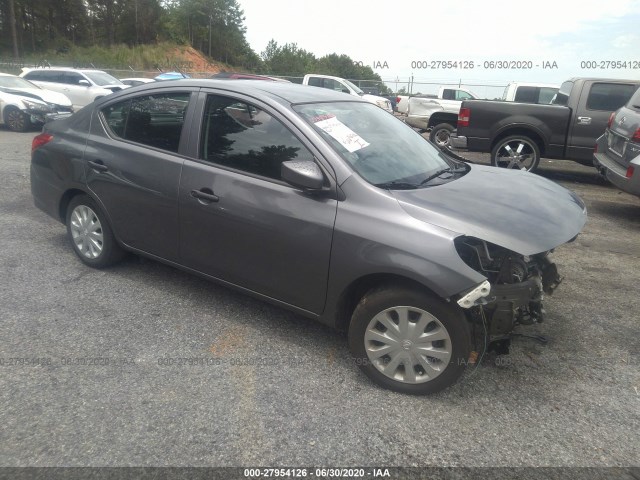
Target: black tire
column 441, row 134
column 439, row 319
column 90, row 234
column 505, row 153
column 16, row 120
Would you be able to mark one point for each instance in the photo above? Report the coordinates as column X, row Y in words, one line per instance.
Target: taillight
column 397, row 99
column 463, row 117
column 630, row 171
column 636, row 136
column 40, row 140
column 611, row 117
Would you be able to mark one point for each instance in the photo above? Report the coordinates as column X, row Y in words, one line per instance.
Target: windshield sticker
column 324, row 116
column 343, row 134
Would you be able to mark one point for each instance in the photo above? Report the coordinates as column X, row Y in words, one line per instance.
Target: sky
column 406, row 39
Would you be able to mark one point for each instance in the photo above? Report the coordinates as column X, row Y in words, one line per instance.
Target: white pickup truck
column 437, row 113
column 542, row 93
column 342, row 85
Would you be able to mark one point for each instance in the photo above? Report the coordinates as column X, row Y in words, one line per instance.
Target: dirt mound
column 192, row 60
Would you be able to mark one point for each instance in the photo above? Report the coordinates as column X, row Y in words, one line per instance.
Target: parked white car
column 342, row 85
column 81, row 86
column 24, row 105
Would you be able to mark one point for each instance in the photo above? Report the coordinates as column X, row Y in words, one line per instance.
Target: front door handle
column 98, row 165
column 584, row 120
column 205, row 194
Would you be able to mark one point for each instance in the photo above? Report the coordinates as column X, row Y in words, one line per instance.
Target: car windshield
column 357, row 89
column 379, row 147
column 15, row 82
column 102, row 78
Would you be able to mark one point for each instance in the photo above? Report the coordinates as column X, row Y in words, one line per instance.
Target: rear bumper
column 617, row 174
column 458, row 142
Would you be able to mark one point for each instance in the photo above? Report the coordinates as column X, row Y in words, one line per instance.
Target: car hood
column 39, row 94
column 517, row 210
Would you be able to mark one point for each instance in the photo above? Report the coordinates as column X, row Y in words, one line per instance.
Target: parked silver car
column 317, row 201
column 617, row 153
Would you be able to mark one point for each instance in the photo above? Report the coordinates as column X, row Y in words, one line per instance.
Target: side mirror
column 84, row 83
column 304, row 174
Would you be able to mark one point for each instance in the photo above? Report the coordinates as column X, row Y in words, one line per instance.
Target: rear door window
column 609, row 96
column 526, row 94
column 154, row 120
column 44, row 76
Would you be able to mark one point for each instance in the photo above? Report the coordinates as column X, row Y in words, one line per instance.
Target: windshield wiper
column 395, row 185
column 440, row 172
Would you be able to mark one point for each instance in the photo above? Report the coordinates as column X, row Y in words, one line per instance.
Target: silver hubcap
column 86, row 231
column 408, row 344
column 516, row 154
column 442, row 137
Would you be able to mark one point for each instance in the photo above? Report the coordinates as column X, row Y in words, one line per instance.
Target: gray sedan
column 316, row 201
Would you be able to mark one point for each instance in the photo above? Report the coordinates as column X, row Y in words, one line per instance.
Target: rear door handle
column 205, row 194
column 584, row 120
column 98, row 165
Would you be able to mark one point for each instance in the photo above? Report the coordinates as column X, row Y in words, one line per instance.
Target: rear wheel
column 16, row 120
column 90, row 234
column 409, row 341
column 441, row 134
column 516, row 151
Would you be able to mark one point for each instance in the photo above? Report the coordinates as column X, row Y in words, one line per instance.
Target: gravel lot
column 278, row 389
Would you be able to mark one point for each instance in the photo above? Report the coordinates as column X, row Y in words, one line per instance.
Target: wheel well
column 352, row 295
column 525, row 133
column 65, row 200
column 435, row 119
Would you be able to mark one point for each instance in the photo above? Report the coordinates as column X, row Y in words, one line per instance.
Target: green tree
column 287, row 59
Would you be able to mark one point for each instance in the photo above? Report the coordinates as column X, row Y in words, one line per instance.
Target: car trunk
column 623, row 128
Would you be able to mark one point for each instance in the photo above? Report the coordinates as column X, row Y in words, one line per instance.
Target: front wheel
column 16, row 120
column 409, row 341
column 441, row 134
column 516, row 151
column 90, row 234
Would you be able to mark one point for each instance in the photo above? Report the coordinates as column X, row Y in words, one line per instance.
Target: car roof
column 66, row 69
column 283, row 92
column 248, row 76
column 600, row 79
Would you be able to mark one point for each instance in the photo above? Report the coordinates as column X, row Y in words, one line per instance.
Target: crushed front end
column 514, row 291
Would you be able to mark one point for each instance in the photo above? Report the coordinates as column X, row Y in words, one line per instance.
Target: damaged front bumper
column 513, row 292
